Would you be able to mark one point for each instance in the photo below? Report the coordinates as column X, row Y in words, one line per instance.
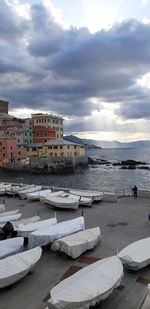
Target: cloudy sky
column 86, row 60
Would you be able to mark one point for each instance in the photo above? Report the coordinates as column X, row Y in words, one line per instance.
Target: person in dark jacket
column 134, row 190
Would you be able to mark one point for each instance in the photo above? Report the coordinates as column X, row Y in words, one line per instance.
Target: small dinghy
column 80, row 199
column 45, row 198
column 88, row 286
column 95, row 195
column 35, row 196
column 63, row 202
column 47, row 235
column 9, row 213
column 136, row 255
column 15, row 267
column 75, row 244
column 24, row 229
column 10, row 218
column 23, row 193
column 10, row 246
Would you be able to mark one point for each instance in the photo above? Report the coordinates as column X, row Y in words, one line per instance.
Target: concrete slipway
column 121, row 223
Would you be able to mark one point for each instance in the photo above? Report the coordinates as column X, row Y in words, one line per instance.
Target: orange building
column 8, row 152
column 42, row 134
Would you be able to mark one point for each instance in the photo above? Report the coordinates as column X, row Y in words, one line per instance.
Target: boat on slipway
column 15, row 267
column 88, row 286
column 47, row 235
column 95, row 195
column 136, row 255
column 23, row 193
column 10, row 246
column 63, row 202
column 10, row 218
column 9, row 213
column 77, row 243
column 35, row 196
column 24, row 229
column 83, row 201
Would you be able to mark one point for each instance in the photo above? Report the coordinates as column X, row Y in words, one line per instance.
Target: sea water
column 99, row 177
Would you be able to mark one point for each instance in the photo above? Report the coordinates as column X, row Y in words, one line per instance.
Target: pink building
column 8, row 152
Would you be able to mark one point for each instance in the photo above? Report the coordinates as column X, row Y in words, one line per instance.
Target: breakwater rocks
column 126, row 164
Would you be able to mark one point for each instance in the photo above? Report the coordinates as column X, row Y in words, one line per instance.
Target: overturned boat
column 136, row 255
column 24, row 229
column 88, row 286
column 63, row 202
column 47, row 235
column 95, row 195
column 75, row 244
column 10, row 246
column 15, row 267
column 10, row 218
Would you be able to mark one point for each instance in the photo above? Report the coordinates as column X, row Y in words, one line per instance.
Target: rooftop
column 121, row 223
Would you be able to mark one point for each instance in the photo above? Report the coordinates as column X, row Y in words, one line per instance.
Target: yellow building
column 56, row 148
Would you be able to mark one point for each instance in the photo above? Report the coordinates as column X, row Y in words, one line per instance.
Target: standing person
column 134, row 190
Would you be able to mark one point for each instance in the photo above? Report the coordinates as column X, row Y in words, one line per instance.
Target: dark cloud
column 43, row 66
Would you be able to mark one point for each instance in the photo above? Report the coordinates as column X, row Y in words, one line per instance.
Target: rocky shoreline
column 126, row 164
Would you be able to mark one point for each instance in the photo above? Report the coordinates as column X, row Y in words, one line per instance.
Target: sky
column 85, row 60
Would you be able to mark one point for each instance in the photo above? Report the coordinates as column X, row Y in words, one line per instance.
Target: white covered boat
column 136, row 255
column 45, row 198
column 23, row 193
column 63, row 202
column 3, row 188
column 15, row 267
column 95, row 195
column 88, row 286
column 75, row 244
column 10, row 218
column 33, row 196
column 87, row 201
column 9, row 213
column 2, row 207
column 24, row 229
column 10, row 246
column 47, row 235
column 23, row 221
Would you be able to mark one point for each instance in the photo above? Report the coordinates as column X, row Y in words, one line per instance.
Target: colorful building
column 56, row 148
column 42, row 134
column 8, row 153
column 52, row 121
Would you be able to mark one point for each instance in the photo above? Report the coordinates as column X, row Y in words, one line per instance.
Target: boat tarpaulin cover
column 10, row 218
column 75, row 244
column 47, row 235
column 87, row 286
column 10, row 246
column 137, row 254
column 24, row 229
column 15, row 267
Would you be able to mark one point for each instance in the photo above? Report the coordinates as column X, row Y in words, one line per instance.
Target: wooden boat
column 81, row 199
column 95, row 195
column 75, row 244
column 10, row 246
column 62, row 202
column 88, row 286
column 10, row 218
column 9, row 213
column 47, row 235
column 23, row 221
column 15, row 267
column 35, row 196
column 24, row 229
column 45, row 198
column 136, row 255
column 23, row 193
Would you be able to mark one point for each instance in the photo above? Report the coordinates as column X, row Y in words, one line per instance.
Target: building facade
column 42, row 134
column 4, row 106
column 50, row 121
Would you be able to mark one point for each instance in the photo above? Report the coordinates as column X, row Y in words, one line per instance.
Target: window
column 3, row 154
column 49, row 147
column 25, row 134
column 19, row 153
column 55, row 154
column 74, row 147
column 11, row 147
column 55, row 147
column 45, row 140
column 34, row 149
column 27, row 149
column 60, row 147
column 68, row 147
column 3, row 148
column 45, row 133
column 37, row 134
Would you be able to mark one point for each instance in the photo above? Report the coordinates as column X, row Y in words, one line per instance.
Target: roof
column 45, row 115
column 60, row 142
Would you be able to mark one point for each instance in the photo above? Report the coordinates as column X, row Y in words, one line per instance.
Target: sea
column 97, row 177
